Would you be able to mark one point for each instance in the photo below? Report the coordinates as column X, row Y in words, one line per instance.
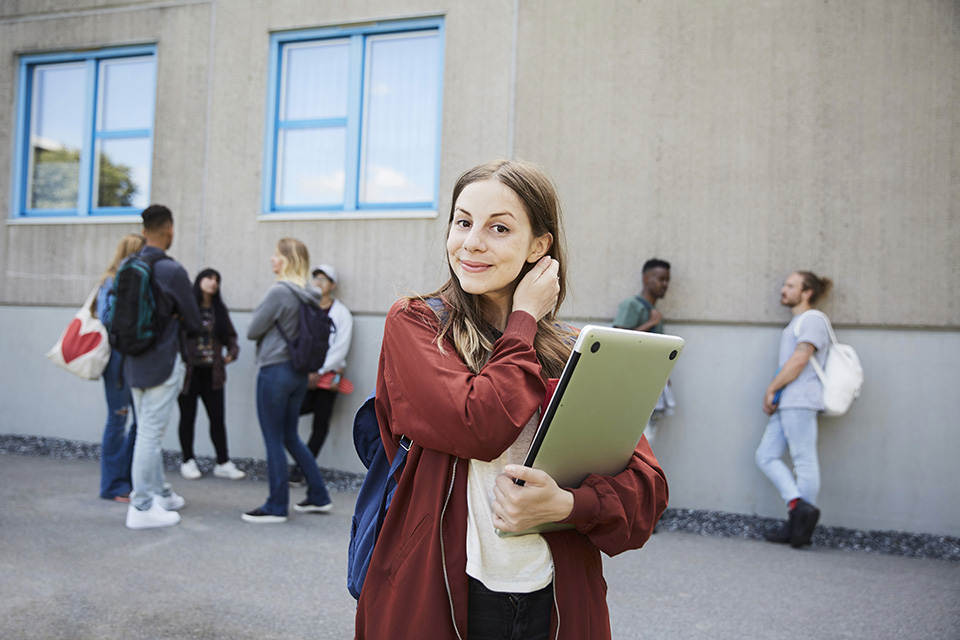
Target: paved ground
column 70, row 569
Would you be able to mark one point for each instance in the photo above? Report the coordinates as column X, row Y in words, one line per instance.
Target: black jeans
column 319, row 402
column 492, row 615
column 201, row 384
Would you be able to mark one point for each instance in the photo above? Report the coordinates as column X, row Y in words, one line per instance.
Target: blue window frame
column 353, row 119
column 85, row 132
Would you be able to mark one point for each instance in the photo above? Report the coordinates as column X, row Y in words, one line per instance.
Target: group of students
column 462, row 376
column 205, row 352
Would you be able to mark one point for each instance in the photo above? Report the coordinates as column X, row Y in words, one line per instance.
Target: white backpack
column 841, row 375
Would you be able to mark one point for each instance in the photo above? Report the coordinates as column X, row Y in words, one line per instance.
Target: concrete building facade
column 738, row 140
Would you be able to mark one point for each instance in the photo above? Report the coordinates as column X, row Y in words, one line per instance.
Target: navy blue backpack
column 376, row 492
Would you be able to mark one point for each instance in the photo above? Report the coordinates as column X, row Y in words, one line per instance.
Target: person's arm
column 787, row 374
column 266, row 312
column 616, row 512
column 340, row 342
column 434, row 399
column 654, row 317
column 233, row 348
column 184, row 301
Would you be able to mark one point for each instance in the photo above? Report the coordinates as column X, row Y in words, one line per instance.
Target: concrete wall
column 890, row 463
column 739, row 140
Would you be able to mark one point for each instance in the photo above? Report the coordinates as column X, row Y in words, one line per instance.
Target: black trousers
column 492, row 615
column 201, row 385
column 319, row 402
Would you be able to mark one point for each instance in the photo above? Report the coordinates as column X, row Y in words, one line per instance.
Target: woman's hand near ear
column 538, row 290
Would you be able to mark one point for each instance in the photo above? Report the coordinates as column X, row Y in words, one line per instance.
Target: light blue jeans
column 153, row 406
column 796, row 430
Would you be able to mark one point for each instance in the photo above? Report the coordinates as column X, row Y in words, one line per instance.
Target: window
column 85, row 132
column 354, row 119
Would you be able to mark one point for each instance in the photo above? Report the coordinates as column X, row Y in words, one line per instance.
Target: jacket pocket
column 410, row 547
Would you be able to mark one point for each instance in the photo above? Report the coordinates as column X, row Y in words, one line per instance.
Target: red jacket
column 416, row 585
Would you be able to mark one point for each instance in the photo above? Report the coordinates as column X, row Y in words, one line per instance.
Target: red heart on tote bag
column 75, row 344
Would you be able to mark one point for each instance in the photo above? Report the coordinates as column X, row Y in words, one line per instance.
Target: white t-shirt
column 806, row 391
column 518, row 564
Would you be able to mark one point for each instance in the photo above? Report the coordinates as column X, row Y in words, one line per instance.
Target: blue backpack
column 134, row 318
column 376, row 492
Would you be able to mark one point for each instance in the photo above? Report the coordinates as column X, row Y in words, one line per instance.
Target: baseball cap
column 328, row 270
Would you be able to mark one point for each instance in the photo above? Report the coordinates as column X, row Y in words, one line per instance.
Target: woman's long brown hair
column 466, row 321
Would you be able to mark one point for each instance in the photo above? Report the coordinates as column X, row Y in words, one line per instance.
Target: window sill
column 361, row 214
column 44, row 220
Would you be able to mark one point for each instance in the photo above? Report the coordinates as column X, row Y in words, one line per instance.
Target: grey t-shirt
column 806, row 391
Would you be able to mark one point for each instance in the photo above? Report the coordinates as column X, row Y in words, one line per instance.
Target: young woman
column 319, row 401
column 280, row 388
column 116, row 453
column 206, row 374
column 465, row 384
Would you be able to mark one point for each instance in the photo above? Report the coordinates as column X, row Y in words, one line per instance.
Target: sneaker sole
column 263, row 519
column 230, row 476
column 153, row 525
column 312, row 508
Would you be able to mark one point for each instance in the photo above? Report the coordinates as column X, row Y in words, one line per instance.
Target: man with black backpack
column 153, row 297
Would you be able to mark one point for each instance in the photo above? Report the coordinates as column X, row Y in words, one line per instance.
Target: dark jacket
column 452, row 416
column 219, row 366
column 177, row 308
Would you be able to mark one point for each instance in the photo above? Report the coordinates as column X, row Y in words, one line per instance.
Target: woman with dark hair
column 463, row 373
column 206, row 375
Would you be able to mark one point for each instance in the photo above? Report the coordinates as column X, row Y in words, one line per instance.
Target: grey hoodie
column 282, row 302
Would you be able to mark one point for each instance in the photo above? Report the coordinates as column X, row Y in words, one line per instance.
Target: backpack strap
column 833, row 340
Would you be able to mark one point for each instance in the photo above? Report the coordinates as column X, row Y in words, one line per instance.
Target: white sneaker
column 190, row 470
column 154, row 517
column 172, row 502
column 229, row 471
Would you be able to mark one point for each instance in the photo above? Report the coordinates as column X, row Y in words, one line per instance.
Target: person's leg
column 214, row 404
column 153, row 406
column 322, row 409
column 769, row 457
column 316, row 490
column 115, row 454
column 800, row 431
column 273, row 397
column 188, row 416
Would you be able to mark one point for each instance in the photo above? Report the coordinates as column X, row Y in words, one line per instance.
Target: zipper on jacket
column 556, row 605
column 443, row 551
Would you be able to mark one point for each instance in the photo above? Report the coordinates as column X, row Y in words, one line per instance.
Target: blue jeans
column 116, row 451
column 280, row 392
column 796, row 430
column 153, row 406
column 492, row 615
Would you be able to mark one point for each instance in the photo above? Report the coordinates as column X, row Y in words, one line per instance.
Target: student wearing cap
column 319, row 400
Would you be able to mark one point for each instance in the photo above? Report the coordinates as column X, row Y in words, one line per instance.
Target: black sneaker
column 259, row 516
column 309, row 507
column 781, row 534
column 295, row 477
column 806, row 517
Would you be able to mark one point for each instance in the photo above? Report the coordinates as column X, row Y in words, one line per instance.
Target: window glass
column 123, row 172
column 126, row 94
column 400, row 134
column 316, row 81
column 56, row 136
column 310, row 167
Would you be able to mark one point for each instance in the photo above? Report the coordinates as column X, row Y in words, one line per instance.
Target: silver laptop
column 604, row 399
